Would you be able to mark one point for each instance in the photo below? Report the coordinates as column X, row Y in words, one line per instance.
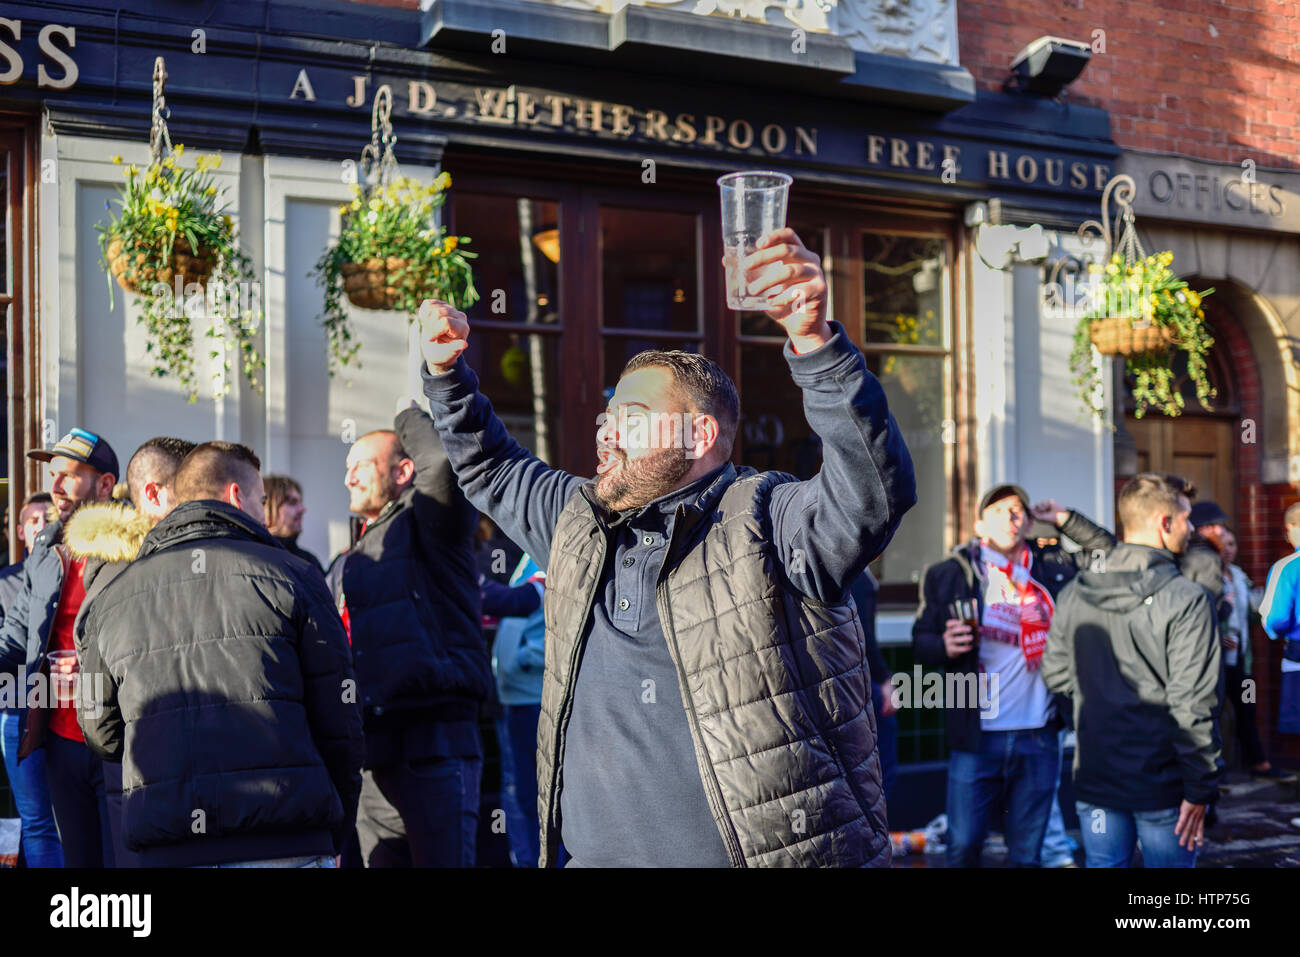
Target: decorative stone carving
column 917, row 29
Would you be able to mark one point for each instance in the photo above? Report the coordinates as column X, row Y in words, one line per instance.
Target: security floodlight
column 1048, row 65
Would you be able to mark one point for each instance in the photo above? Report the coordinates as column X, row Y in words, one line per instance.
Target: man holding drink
column 985, row 611
column 705, row 701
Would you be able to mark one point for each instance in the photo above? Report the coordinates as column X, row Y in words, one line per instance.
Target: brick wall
column 1211, row 80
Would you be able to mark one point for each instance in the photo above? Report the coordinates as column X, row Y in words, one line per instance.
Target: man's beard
column 636, row 483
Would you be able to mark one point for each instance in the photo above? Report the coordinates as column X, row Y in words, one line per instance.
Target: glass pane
column 916, row 387
column 649, row 270
column 903, row 289
column 519, row 374
column 517, row 242
column 756, row 323
column 773, row 431
column 618, row 350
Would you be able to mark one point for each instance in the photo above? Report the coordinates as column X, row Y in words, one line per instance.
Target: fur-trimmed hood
column 109, row 531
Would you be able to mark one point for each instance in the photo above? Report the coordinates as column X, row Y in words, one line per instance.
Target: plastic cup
column 64, row 685
column 753, row 203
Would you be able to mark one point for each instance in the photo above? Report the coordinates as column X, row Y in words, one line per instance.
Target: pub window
column 908, row 346
column 516, row 322
column 649, row 284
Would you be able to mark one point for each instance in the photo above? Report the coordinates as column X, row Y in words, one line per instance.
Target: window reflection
column 518, row 372
column 649, row 270
column 903, row 289
column 517, row 242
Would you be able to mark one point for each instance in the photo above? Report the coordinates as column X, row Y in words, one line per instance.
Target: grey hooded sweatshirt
column 1137, row 649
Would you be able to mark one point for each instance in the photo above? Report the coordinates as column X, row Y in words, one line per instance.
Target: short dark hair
column 703, row 384
column 155, row 461
column 277, row 490
column 1292, row 515
column 212, row 466
column 1148, row 494
column 39, row 498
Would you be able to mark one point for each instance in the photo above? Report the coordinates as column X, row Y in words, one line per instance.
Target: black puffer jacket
column 411, row 587
column 960, row 576
column 229, row 695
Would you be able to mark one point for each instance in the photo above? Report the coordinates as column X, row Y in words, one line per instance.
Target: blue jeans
column 517, row 738
column 321, row 861
column 1021, row 768
column 40, row 838
column 421, row 813
column 1058, row 846
column 1111, row 836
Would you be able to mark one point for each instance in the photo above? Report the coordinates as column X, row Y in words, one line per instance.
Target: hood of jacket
column 109, row 531
column 1133, row 574
column 201, row 520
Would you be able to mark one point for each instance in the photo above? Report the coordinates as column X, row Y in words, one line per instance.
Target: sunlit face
column 1229, row 548
column 74, row 483
column 645, row 442
column 288, row 517
column 253, row 498
column 30, row 522
column 372, row 475
column 1005, row 523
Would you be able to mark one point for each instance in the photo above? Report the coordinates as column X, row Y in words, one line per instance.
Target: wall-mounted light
column 1048, row 65
column 1001, row 246
column 547, row 241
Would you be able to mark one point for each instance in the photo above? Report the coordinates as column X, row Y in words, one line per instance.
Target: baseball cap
column 998, row 492
column 81, row 445
column 1207, row 513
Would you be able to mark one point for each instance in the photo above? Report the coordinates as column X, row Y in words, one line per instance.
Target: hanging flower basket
column 1121, row 336
column 133, row 271
column 173, row 246
column 391, row 252
column 1138, row 309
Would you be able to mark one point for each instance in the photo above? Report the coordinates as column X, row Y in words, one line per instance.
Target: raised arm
column 442, row 512
column 514, row 488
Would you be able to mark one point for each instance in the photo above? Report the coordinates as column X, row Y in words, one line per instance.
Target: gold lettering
column 358, row 97
column 713, row 125
column 621, row 116
column 1026, row 169
column 589, row 115
column 1078, row 176
column 526, row 108
column 685, row 128
column 558, row 103
column 804, row 141
column 1059, row 178
column 997, row 164
column 898, row 153
column 773, row 138
column 494, row 105
column 924, row 155
column 1100, row 175
column 421, row 96
column 70, row 69
column 875, row 146
column 734, row 137
column 656, row 122
column 951, row 153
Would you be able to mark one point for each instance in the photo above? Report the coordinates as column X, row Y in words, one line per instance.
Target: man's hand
column 886, row 692
column 790, row 275
column 957, row 638
column 1191, row 825
column 444, row 335
column 1050, row 511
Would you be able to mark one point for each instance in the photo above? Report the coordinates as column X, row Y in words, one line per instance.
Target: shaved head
column 378, row 471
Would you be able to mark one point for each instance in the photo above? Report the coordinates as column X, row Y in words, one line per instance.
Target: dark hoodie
column 1136, row 648
column 229, row 695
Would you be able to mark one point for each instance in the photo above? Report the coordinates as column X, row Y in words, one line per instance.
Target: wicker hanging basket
column 376, row 283
column 131, row 273
column 1120, row 336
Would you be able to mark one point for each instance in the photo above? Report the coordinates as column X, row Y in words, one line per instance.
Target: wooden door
column 1198, row 448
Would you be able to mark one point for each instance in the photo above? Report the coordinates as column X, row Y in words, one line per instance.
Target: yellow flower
column 211, row 190
column 1112, row 269
column 343, row 210
column 449, row 244
column 130, row 171
column 169, row 162
column 443, row 181
column 374, row 205
column 117, row 161
column 227, row 221
column 354, row 205
column 178, row 149
column 1194, row 298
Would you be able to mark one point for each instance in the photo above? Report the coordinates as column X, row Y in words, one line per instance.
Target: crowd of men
column 700, row 685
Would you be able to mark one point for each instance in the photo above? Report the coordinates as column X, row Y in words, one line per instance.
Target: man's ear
column 104, row 486
column 705, row 432
column 234, row 496
column 404, row 472
column 153, row 494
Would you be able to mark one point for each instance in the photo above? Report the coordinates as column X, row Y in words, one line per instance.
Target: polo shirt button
column 648, row 540
column 627, row 562
column 623, row 604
